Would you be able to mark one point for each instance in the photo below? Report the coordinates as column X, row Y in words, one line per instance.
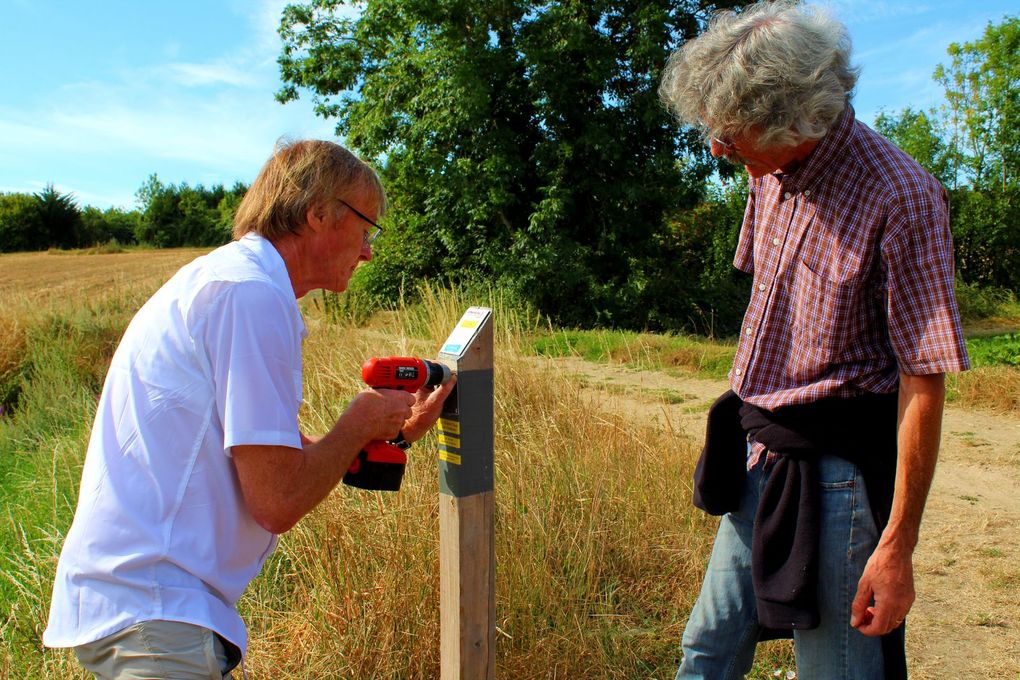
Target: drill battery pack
column 378, row 467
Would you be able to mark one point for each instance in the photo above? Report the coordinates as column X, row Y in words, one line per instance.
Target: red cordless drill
column 380, row 465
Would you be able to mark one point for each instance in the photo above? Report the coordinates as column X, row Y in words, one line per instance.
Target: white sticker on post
column 465, row 330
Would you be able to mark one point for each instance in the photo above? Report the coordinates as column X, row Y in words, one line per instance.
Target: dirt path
column 966, row 622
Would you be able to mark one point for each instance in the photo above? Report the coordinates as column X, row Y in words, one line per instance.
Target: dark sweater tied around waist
column 784, row 550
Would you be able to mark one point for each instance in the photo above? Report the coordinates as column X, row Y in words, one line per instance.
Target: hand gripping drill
column 380, row 465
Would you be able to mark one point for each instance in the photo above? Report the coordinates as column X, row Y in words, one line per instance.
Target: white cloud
column 265, row 18
column 208, row 122
column 196, row 75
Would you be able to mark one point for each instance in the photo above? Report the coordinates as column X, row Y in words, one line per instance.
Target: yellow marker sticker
column 449, row 457
column 449, row 441
column 469, row 323
column 449, row 426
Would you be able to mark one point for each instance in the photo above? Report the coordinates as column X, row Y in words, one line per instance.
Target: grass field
column 599, row 552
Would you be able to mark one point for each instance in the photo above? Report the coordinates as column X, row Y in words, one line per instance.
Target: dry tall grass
column 599, row 553
column 996, row 388
column 598, row 550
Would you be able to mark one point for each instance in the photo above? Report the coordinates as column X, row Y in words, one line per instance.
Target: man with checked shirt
column 852, row 322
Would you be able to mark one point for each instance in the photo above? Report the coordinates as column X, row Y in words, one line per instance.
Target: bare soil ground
column 966, row 621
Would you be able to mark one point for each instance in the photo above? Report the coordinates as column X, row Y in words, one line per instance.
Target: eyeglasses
column 729, row 151
column 370, row 236
column 728, row 148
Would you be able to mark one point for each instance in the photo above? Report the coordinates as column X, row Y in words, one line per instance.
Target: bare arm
column 889, row 575
column 282, row 484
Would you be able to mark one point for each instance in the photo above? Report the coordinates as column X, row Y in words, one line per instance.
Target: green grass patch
column 665, row 352
column 996, row 350
column 43, row 436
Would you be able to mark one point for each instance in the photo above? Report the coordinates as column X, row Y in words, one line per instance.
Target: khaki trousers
column 153, row 650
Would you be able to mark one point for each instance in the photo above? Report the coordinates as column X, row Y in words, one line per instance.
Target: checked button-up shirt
column 853, row 271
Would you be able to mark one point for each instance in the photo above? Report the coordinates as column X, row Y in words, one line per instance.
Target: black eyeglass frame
column 370, row 237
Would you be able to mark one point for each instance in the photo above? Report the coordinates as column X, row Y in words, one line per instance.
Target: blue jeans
column 723, row 630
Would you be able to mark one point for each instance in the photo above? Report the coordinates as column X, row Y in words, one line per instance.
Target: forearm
column 888, row 578
column 326, row 460
column 282, row 484
column 922, row 398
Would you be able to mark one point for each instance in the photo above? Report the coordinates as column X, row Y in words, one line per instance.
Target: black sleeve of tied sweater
column 722, row 467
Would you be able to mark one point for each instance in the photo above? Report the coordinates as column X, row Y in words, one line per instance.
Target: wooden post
column 467, row 552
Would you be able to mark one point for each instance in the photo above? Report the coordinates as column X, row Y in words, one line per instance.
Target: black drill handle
column 378, row 467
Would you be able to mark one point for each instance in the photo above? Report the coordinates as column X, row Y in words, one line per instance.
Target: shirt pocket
column 823, row 313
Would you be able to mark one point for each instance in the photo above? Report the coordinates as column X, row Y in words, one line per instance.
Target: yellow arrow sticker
column 449, row 426
column 453, row 442
column 449, row 457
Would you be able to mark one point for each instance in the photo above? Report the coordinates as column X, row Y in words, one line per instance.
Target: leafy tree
column 180, row 215
column 146, row 193
column 982, row 85
column 197, row 219
column 60, row 217
column 112, row 224
column 986, row 237
column 21, row 226
column 522, row 142
column 226, row 209
column 711, row 296
column 917, row 133
column 160, row 214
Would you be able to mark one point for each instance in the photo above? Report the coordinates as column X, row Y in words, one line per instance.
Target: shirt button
column 775, row 242
column 736, row 371
column 807, row 192
column 747, row 331
column 787, row 195
column 761, row 286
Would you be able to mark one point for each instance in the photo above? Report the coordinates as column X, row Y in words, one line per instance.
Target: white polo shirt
column 161, row 531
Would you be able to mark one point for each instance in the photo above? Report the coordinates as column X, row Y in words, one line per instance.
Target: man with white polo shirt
column 195, row 462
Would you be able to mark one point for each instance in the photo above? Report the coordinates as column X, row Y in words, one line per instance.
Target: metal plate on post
column 465, row 427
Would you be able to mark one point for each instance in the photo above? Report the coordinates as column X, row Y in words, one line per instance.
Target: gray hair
column 777, row 70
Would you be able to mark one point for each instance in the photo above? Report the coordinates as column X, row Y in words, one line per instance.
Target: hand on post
column 425, row 411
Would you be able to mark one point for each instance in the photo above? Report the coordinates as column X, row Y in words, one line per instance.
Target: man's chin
column 338, row 287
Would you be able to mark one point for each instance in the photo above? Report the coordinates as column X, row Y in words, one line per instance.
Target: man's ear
column 315, row 216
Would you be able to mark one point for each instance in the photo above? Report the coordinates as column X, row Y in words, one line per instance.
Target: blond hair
column 298, row 175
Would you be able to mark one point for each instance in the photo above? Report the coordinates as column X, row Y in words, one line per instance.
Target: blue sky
column 96, row 95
